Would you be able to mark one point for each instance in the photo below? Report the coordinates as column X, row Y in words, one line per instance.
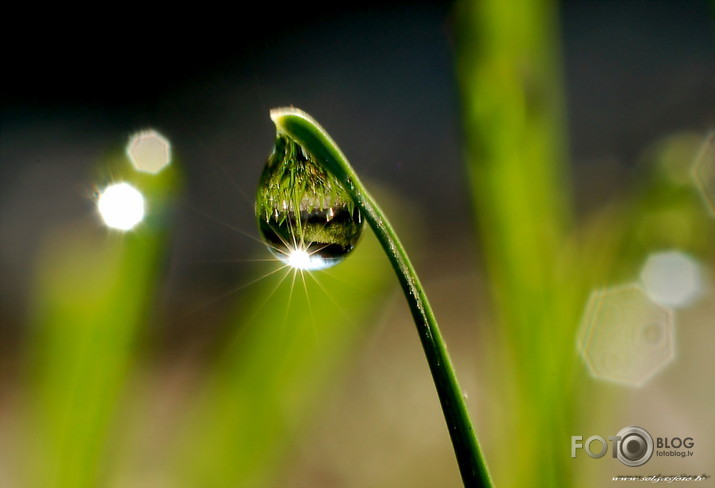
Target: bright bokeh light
column 149, row 151
column 625, row 337
column 671, row 279
column 121, row 206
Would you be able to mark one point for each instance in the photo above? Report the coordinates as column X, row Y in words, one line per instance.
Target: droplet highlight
column 304, row 215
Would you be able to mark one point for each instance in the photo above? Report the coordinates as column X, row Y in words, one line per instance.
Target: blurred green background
column 530, row 154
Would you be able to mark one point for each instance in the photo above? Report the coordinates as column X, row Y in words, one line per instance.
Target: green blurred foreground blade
column 92, row 292
column 293, row 334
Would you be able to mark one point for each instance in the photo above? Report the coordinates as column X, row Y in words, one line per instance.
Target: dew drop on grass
column 304, row 215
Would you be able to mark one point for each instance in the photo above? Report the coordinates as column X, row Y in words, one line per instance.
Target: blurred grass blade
column 507, row 67
column 292, row 334
column 92, row 295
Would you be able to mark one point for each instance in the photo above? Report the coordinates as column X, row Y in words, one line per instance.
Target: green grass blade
column 291, row 335
column 92, row 295
column 307, row 133
column 507, row 67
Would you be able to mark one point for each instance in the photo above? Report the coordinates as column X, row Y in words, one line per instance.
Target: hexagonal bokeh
column 624, row 336
column 704, row 172
column 149, row 151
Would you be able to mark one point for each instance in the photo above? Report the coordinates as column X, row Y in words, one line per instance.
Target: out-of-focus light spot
column 624, row 336
column 149, row 151
column 121, row 206
column 704, row 173
column 671, row 278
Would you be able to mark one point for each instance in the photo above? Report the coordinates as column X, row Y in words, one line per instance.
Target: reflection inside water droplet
column 305, row 217
column 311, row 241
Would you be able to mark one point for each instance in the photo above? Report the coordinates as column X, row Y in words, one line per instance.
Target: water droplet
column 304, row 215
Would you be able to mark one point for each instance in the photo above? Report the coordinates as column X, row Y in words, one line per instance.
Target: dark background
column 380, row 79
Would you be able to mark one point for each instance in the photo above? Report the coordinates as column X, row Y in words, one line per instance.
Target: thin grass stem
column 306, row 132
